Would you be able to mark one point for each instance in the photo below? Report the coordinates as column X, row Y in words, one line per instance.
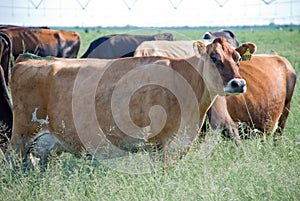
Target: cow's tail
column 7, row 69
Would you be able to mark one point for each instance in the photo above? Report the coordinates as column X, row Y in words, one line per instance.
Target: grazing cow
column 121, row 45
column 263, row 106
column 5, row 104
column 43, row 41
column 229, row 35
column 114, row 106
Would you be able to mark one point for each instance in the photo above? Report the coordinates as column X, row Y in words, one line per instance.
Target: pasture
column 256, row 170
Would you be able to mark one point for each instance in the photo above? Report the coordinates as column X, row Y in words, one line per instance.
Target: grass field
column 253, row 171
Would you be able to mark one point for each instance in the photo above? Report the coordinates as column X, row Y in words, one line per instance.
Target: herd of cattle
column 42, row 86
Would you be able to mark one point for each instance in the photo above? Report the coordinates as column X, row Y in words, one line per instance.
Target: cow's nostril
column 234, row 84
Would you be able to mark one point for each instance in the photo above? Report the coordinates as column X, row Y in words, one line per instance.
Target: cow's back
column 122, row 45
column 173, row 49
column 43, row 41
column 117, row 47
column 176, row 49
column 96, row 43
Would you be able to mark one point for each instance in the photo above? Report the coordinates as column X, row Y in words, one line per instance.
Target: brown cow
column 263, row 106
column 112, row 107
column 43, row 41
column 5, row 104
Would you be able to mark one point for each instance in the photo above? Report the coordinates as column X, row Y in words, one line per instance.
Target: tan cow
column 176, row 49
column 263, row 106
column 181, row 49
column 112, row 107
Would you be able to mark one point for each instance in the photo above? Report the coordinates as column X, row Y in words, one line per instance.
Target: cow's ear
column 246, row 50
column 199, row 48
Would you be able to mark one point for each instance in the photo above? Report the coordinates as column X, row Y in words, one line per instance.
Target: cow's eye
column 239, row 62
column 214, row 59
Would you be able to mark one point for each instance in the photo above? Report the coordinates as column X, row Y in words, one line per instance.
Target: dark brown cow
column 112, row 107
column 43, row 41
column 120, row 45
column 5, row 104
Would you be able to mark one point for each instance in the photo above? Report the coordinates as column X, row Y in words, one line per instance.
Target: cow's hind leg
column 43, row 145
column 291, row 82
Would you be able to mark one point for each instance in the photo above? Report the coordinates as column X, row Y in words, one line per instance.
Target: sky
column 149, row 13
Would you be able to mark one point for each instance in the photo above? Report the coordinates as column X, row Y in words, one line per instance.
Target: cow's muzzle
column 235, row 86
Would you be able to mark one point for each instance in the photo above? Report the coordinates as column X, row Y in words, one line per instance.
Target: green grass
column 253, row 171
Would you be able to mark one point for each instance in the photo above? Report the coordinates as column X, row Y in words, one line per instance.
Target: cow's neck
column 205, row 97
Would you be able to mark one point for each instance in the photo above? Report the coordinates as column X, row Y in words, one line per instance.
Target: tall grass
column 255, row 170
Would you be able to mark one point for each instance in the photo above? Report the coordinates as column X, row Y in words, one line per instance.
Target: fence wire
column 227, row 12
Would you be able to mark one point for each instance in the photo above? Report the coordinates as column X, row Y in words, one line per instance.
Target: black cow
column 120, row 45
column 229, row 35
column 6, row 116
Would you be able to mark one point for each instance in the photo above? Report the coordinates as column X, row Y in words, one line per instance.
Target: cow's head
column 221, row 66
column 229, row 35
column 164, row 36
